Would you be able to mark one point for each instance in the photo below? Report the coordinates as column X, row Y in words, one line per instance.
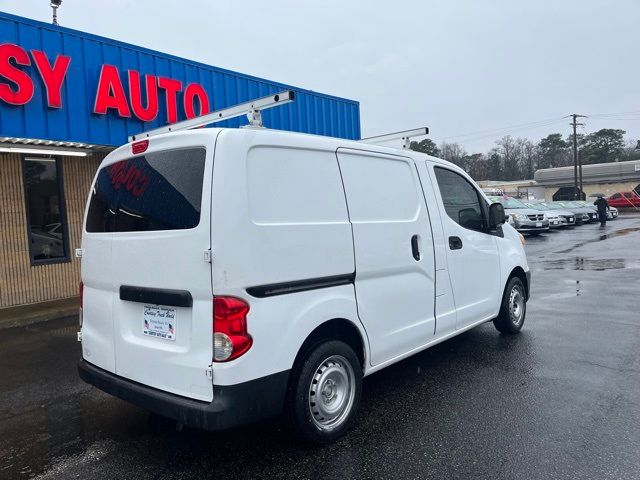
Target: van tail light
column 140, row 147
column 230, row 336
column 81, row 291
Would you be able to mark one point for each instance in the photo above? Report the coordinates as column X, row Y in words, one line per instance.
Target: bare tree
column 454, row 153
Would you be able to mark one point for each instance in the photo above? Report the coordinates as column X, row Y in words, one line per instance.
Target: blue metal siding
column 311, row 112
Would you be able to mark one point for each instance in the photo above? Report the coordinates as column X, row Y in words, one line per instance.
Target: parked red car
column 624, row 199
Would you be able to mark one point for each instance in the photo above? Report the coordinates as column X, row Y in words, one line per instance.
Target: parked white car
column 230, row 275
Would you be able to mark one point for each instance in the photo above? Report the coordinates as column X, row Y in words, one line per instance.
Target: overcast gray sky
column 457, row 66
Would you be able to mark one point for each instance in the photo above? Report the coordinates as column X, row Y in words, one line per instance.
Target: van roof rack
column 404, row 135
column 251, row 109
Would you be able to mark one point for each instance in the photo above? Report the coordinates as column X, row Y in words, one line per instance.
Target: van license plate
column 538, row 224
column 159, row 322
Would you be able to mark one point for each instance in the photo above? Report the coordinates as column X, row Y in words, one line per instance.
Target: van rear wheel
column 513, row 309
column 325, row 393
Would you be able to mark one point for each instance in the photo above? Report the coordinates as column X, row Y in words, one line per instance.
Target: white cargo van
column 230, row 275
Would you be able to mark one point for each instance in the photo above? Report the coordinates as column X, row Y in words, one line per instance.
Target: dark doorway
column 567, row 193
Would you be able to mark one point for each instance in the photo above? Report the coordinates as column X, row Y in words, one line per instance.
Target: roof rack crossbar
column 252, row 109
column 405, row 136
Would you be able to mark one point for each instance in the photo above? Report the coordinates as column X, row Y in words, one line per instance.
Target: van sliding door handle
column 455, row 243
column 414, row 248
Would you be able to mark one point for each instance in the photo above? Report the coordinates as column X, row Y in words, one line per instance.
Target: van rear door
column 152, row 212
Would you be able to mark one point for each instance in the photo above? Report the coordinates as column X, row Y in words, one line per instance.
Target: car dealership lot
column 561, row 400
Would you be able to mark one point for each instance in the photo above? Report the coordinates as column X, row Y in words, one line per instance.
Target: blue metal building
column 76, row 121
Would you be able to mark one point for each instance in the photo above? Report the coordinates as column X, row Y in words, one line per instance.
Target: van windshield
column 157, row 191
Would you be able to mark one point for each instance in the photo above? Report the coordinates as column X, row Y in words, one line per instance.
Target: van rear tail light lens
column 230, row 336
column 140, row 147
column 81, row 292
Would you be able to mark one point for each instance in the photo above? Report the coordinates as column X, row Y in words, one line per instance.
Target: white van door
column 152, row 212
column 472, row 253
column 394, row 258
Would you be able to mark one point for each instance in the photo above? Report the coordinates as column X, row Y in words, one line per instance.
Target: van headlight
column 520, row 216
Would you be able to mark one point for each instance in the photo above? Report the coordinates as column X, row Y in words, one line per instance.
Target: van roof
column 317, row 141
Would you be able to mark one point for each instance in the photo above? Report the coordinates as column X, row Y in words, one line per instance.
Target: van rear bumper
column 232, row 405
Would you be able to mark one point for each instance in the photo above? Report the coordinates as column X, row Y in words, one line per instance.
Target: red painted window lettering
column 171, row 88
column 131, row 177
column 52, row 76
column 111, row 93
column 20, row 89
column 192, row 92
column 150, row 112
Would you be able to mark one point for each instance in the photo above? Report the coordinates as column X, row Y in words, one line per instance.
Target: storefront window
column 46, row 219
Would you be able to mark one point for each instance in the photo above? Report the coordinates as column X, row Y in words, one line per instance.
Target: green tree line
column 518, row 158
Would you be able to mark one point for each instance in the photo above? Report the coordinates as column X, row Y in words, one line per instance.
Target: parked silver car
column 586, row 214
column 565, row 217
column 523, row 218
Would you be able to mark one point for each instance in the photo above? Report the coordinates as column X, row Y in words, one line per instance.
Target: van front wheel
column 325, row 394
column 513, row 309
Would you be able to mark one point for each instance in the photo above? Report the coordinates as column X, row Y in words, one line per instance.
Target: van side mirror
column 496, row 215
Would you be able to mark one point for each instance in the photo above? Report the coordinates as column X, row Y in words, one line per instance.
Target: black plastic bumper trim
column 296, row 286
column 528, row 274
column 232, row 405
column 156, row 296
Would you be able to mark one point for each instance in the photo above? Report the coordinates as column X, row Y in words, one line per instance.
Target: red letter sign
column 193, row 91
column 24, row 86
column 151, row 111
column 171, row 87
column 110, row 93
column 52, row 76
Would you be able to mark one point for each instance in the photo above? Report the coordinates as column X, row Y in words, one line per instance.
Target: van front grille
column 536, row 218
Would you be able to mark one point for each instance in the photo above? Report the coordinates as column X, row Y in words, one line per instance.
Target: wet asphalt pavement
column 561, row 400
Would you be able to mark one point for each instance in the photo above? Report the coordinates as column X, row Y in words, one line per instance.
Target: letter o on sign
column 192, row 92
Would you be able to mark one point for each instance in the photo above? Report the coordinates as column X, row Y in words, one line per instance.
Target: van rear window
column 158, row 191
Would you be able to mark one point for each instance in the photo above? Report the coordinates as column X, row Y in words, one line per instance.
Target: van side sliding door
column 393, row 251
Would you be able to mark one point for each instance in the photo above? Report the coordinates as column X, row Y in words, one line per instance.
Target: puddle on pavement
column 580, row 263
column 604, row 236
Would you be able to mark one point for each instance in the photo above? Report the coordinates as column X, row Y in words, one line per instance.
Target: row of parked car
column 536, row 216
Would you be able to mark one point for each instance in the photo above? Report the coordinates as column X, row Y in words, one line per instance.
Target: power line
column 633, row 112
column 507, row 128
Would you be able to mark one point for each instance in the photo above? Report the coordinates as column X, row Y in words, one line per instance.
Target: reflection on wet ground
column 599, row 238
column 580, row 263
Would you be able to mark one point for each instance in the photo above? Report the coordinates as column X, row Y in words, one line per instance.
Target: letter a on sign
column 111, row 93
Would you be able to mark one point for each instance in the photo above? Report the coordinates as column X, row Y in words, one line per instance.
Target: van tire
column 331, row 365
column 513, row 309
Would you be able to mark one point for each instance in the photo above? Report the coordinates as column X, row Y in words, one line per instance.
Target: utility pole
column 574, row 123
column 580, row 172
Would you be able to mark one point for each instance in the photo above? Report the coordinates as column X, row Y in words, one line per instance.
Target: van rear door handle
column 455, row 243
column 414, row 248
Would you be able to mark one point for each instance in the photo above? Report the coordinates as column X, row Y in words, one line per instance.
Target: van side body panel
column 280, row 218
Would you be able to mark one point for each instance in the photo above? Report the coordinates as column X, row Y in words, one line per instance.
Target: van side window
column 460, row 198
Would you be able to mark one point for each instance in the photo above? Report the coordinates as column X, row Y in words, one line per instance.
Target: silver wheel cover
column 332, row 392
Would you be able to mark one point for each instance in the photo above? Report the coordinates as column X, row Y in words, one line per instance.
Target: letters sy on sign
column 18, row 88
